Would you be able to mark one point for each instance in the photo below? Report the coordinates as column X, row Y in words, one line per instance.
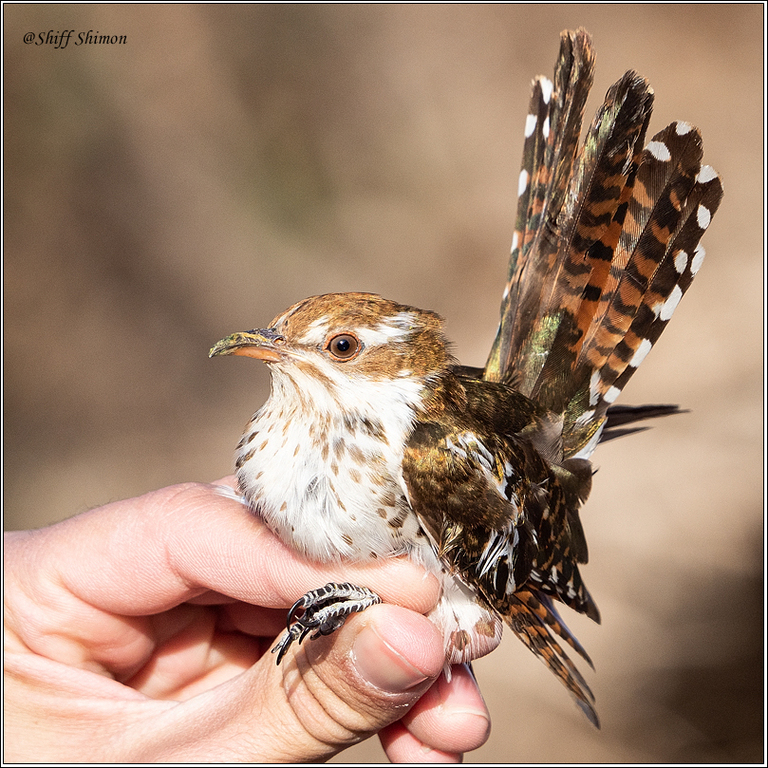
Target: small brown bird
column 375, row 442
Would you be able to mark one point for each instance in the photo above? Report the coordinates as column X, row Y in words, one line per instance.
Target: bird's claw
column 323, row 610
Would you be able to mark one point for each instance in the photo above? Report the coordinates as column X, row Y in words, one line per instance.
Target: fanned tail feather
column 664, row 261
column 589, row 228
column 673, row 201
column 552, row 132
column 606, row 244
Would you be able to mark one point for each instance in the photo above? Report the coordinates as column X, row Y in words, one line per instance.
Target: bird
column 376, row 442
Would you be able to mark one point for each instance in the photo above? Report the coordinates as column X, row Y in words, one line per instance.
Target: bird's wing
column 504, row 523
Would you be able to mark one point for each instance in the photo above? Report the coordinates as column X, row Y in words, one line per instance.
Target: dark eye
column 344, row 346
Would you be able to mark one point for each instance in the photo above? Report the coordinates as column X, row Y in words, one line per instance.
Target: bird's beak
column 263, row 344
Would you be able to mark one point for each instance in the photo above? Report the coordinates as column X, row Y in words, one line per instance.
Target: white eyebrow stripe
column 316, row 332
column 395, row 328
column 383, row 333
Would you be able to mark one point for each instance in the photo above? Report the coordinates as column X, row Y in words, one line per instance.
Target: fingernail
column 379, row 663
column 464, row 688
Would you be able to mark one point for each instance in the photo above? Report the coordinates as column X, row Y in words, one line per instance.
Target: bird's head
column 342, row 343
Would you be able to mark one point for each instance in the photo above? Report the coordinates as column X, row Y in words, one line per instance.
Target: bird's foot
column 323, row 610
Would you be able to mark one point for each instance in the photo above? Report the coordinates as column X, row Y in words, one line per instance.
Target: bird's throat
column 328, row 480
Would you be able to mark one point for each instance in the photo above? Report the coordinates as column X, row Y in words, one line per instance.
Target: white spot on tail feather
column 545, row 128
column 515, row 241
column 706, row 173
column 594, row 388
column 682, row 128
column 698, row 259
column 703, row 216
column 546, row 89
column 664, row 309
column 611, row 394
column 640, row 353
column 522, row 182
column 681, row 262
column 659, row 150
column 530, row 125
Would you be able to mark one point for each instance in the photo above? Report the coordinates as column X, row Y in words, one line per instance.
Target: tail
column 606, row 244
column 534, row 619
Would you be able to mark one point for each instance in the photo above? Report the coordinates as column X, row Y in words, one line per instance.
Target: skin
column 141, row 631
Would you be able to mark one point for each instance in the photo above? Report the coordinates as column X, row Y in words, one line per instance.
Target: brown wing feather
column 501, row 518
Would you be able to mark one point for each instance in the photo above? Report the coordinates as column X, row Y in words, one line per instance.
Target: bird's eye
column 345, row 346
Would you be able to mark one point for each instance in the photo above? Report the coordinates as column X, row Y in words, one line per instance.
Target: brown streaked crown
column 395, row 338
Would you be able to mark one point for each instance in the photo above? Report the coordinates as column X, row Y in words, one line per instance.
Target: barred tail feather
column 589, row 228
column 532, row 617
column 681, row 260
column 664, row 256
column 607, row 243
column 552, row 132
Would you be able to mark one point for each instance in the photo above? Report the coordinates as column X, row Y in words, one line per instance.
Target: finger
column 252, row 620
column 198, row 655
column 178, row 542
column 451, row 716
column 80, row 581
column 326, row 695
column 401, row 746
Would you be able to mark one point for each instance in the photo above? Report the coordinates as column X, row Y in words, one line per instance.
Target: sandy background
column 230, row 160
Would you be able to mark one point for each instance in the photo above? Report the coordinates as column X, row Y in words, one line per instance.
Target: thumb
column 326, row 695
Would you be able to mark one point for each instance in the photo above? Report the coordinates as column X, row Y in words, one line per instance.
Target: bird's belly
column 329, row 500
column 470, row 628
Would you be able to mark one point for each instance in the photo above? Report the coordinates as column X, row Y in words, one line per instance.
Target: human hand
column 140, row 632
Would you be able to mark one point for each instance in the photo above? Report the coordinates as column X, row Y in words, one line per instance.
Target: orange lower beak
column 262, row 344
column 260, row 353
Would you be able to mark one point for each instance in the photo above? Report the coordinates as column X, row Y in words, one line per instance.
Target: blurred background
column 229, row 160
